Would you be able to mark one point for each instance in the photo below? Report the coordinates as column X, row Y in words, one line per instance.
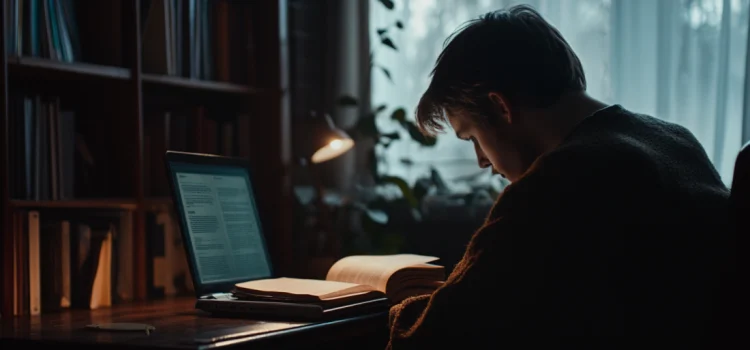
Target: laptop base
column 280, row 311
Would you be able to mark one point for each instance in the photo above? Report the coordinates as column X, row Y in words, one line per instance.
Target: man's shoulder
column 617, row 138
column 619, row 153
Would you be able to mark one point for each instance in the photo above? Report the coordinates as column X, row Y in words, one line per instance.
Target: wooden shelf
column 168, row 81
column 118, row 116
column 123, row 204
column 45, row 69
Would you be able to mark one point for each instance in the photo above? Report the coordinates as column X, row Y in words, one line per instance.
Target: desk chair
column 740, row 192
column 732, row 313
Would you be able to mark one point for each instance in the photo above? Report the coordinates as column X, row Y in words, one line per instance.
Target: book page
column 300, row 288
column 373, row 270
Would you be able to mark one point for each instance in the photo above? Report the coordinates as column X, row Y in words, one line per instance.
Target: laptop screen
column 217, row 206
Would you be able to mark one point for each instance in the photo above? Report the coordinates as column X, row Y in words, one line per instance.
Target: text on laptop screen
column 222, row 221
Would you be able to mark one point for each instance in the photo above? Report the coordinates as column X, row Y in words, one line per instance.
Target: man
column 615, row 223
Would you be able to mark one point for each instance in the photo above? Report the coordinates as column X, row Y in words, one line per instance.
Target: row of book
column 187, row 38
column 85, row 260
column 42, row 28
column 51, row 159
column 191, row 38
column 43, row 148
column 191, row 130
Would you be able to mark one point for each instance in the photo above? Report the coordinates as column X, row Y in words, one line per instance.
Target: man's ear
column 500, row 106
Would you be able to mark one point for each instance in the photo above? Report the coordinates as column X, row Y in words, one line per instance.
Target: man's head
column 491, row 77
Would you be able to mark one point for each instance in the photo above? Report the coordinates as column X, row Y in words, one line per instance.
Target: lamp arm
column 328, row 244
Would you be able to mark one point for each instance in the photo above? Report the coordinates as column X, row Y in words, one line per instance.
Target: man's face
column 500, row 144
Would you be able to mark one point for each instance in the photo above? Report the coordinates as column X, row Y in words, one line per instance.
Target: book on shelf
column 197, row 39
column 192, row 129
column 93, row 261
column 351, row 280
column 59, row 263
column 84, row 259
column 43, row 148
column 45, row 29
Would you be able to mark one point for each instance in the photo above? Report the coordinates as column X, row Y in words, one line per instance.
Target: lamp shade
column 325, row 140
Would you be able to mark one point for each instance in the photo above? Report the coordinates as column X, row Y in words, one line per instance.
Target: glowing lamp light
column 332, row 150
column 326, row 140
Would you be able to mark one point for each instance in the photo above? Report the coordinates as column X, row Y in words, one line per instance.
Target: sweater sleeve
column 407, row 312
column 465, row 302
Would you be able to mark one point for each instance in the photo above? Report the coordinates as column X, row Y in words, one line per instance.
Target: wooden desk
column 178, row 324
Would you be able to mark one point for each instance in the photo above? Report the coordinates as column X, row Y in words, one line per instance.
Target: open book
column 353, row 279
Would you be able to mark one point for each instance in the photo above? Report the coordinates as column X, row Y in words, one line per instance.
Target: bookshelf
column 119, row 82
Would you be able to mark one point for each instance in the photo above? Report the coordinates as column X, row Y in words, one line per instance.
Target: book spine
column 35, row 300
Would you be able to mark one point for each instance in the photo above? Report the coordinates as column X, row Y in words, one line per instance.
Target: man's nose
column 481, row 158
column 484, row 163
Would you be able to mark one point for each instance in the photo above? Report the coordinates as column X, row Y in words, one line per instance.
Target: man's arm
column 474, row 299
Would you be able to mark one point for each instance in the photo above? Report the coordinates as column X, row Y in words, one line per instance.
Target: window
column 679, row 60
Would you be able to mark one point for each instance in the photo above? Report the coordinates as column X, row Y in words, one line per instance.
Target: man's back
column 648, row 210
column 618, row 231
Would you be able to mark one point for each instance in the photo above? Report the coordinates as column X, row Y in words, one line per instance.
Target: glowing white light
column 336, row 144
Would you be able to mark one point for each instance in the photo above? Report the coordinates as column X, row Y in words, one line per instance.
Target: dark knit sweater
column 618, row 231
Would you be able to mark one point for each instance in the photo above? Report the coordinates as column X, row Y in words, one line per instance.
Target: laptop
column 225, row 242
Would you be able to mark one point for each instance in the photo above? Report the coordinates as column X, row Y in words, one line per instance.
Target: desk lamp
column 324, row 141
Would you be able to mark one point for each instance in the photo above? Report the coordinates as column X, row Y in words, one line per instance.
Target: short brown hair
column 512, row 51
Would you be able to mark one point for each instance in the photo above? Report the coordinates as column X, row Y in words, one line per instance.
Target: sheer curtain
column 680, row 60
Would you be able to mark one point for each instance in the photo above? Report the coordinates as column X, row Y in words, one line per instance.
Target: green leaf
column 372, row 164
column 392, row 135
column 347, row 100
column 437, row 179
column 387, row 3
column 388, row 42
column 379, row 109
column 378, row 216
column 399, row 25
column 382, row 31
column 386, row 140
column 403, row 186
column 417, row 134
column 399, row 115
column 421, row 188
column 387, row 73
